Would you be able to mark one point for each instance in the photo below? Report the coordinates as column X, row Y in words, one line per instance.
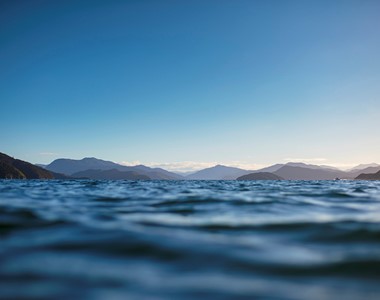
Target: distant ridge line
column 93, row 168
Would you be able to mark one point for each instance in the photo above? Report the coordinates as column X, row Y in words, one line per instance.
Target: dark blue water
column 189, row 239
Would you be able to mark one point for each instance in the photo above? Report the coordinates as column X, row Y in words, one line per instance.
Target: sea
column 88, row 239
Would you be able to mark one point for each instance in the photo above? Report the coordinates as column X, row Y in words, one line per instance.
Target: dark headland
column 365, row 176
column 11, row 168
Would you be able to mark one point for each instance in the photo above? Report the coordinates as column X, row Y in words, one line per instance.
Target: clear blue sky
column 234, row 82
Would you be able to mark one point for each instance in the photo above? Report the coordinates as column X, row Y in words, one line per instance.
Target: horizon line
column 194, row 166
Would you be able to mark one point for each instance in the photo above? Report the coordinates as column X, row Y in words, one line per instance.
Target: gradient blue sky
column 187, row 83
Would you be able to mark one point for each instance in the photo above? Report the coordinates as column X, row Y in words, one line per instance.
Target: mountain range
column 82, row 168
column 288, row 171
column 93, row 168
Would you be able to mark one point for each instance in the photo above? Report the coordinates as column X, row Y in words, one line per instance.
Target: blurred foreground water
column 84, row 239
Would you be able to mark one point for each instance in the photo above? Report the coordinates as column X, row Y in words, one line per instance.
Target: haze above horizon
column 240, row 83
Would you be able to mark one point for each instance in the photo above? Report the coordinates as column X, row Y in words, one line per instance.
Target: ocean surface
column 84, row 239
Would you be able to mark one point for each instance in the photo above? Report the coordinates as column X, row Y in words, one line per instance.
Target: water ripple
column 189, row 239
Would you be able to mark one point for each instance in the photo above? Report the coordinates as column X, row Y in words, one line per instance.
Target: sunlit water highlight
column 189, row 239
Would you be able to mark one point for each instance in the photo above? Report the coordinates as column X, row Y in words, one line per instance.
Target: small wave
column 188, row 239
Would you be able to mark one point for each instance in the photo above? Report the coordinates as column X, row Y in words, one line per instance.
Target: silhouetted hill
column 218, row 172
column 372, row 176
column 260, row 176
column 112, row 174
column 367, row 170
column 289, row 172
column 73, row 166
column 19, row 169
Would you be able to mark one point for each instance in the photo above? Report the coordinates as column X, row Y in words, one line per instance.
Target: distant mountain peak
column 218, row 172
column 93, row 159
column 299, row 164
column 364, row 166
column 73, row 166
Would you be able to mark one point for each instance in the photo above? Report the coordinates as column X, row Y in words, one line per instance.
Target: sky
column 188, row 84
